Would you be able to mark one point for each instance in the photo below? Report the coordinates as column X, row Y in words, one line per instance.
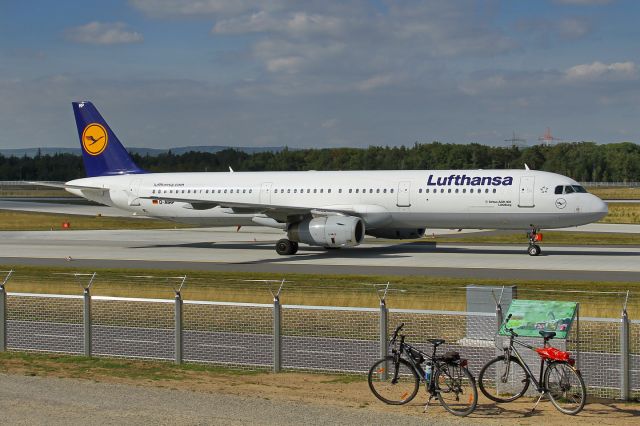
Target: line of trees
column 584, row 161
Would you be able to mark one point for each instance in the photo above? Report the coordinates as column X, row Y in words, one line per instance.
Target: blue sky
column 327, row 73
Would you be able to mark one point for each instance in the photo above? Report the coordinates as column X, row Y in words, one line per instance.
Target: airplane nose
column 600, row 207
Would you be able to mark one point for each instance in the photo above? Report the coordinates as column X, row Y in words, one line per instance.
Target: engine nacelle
column 397, row 234
column 328, row 231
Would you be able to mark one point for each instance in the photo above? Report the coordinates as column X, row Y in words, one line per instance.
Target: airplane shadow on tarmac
column 401, row 250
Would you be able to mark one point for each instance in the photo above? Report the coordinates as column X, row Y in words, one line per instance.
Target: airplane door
column 526, row 191
column 404, row 194
column 265, row 193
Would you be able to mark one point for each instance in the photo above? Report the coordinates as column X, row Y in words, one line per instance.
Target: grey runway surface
column 252, row 250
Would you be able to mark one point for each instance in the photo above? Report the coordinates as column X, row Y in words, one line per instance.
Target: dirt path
column 308, row 390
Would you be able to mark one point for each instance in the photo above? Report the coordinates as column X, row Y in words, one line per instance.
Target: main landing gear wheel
column 534, row 250
column 286, row 247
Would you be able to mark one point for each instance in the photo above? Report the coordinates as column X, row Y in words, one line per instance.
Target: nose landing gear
column 534, row 237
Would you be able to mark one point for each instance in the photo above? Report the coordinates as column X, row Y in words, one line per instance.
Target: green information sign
column 529, row 317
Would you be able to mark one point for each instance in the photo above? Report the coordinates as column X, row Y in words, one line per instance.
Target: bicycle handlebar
column 395, row 333
column 510, row 330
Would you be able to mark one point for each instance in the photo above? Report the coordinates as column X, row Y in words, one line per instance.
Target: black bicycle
column 395, row 379
column 507, row 377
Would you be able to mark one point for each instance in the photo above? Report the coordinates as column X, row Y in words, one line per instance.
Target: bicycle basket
column 553, row 354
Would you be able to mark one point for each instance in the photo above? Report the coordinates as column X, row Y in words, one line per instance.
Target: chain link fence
column 301, row 337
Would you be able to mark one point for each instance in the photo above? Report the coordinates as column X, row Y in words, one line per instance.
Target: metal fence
column 295, row 337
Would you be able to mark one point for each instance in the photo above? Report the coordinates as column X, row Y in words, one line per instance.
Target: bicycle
column 395, row 379
column 559, row 379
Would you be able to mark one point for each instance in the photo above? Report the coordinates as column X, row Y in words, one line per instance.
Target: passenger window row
column 204, row 191
column 456, row 191
column 275, row 191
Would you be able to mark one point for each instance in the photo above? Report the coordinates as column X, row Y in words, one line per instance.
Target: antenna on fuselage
column 526, row 167
column 230, row 169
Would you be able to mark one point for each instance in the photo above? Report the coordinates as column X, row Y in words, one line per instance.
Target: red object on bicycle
column 553, row 354
column 538, row 237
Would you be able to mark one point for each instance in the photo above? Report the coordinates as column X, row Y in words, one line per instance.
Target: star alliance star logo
column 544, row 189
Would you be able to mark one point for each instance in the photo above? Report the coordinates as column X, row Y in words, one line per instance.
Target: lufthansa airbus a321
column 331, row 209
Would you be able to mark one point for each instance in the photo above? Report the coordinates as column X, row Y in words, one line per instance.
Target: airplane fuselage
column 477, row 199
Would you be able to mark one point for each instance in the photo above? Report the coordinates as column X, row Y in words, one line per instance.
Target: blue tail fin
column 102, row 152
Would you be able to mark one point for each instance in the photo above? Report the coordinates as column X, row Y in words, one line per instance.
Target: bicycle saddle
column 547, row 334
column 436, row 342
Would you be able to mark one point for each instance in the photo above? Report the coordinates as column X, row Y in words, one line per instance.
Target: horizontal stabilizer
column 63, row 185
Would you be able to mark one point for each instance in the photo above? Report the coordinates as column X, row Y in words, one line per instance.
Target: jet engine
column 397, row 233
column 328, row 231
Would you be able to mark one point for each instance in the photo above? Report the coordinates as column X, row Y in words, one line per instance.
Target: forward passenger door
column 404, row 194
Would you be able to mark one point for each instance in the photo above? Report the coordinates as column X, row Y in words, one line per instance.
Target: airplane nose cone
column 600, row 208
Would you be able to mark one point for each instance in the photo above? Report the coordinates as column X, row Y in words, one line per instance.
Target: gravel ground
column 26, row 400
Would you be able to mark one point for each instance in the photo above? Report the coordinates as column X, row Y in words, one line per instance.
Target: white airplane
column 331, row 209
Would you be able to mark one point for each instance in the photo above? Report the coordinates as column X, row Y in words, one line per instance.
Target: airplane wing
column 281, row 213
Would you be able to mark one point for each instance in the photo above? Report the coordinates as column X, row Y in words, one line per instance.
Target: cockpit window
column 559, row 189
column 568, row 189
column 579, row 189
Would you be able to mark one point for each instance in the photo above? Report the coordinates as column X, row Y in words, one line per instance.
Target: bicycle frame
column 436, row 365
column 512, row 349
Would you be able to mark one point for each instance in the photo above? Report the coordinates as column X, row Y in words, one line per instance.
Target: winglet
column 102, row 152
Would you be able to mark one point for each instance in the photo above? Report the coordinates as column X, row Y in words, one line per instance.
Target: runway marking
column 212, row 345
column 59, row 336
column 318, row 352
column 136, row 341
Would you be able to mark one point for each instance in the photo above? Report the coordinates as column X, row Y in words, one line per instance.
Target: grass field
column 623, row 213
column 549, row 237
column 602, row 299
column 616, row 193
column 11, row 220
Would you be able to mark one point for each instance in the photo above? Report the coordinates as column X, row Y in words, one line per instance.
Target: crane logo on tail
column 94, row 139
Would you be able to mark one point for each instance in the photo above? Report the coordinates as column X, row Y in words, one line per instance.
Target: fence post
column 3, row 312
column 384, row 335
column 178, row 334
column 384, row 325
column 277, row 327
column 277, row 334
column 86, row 317
column 624, row 353
column 178, row 328
column 86, row 311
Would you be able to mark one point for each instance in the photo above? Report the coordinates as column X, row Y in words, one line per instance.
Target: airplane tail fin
column 102, row 152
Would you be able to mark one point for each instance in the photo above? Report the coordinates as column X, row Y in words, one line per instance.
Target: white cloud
column 375, row 82
column 290, row 64
column 172, row 8
column 294, row 24
column 573, row 27
column 598, row 70
column 104, row 33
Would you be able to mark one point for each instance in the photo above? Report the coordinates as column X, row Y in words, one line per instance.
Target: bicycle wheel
column 389, row 390
column 503, row 381
column 456, row 389
column 565, row 387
